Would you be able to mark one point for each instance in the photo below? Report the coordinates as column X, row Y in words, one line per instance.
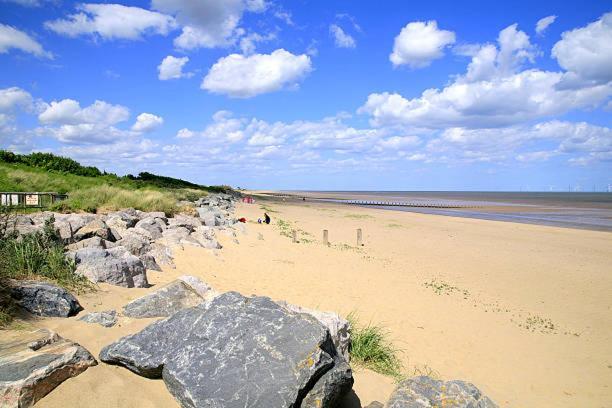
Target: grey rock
column 115, row 266
column 425, row 391
column 339, row 328
column 184, row 221
column 208, row 218
column 96, row 227
column 136, row 244
column 93, row 242
column 106, row 318
column 375, row 404
column 164, row 302
column 149, row 262
column 32, row 364
column 154, row 226
column 44, row 299
column 159, row 215
column 163, row 255
column 331, row 387
column 122, row 219
column 234, row 352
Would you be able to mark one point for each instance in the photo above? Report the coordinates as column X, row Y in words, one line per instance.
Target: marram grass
column 372, row 349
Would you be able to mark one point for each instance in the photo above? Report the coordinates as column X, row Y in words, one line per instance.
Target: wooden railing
column 24, row 200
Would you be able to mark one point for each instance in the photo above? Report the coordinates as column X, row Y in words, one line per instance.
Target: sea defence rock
column 339, row 328
column 179, row 294
column 32, row 364
column 106, row 318
column 425, row 391
column 236, row 351
column 44, row 299
column 97, row 227
column 115, row 266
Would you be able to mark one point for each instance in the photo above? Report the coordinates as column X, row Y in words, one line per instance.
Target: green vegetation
column 38, row 255
column 286, row 229
column 91, row 190
column 267, row 209
column 443, row 288
column 358, row 216
column 371, row 348
column 394, row 225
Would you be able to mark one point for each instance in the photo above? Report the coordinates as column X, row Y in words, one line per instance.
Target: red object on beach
column 248, row 200
column 242, row 219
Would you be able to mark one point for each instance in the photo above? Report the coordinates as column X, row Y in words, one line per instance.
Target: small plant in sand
column 267, row 209
column 286, row 229
column 358, row 216
column 394, row 225
column 371, row 348
column 443, row 288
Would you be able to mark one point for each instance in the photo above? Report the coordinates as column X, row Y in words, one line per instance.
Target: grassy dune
column 106, row 192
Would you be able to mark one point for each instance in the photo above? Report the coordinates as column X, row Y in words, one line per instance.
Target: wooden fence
column 24, row 200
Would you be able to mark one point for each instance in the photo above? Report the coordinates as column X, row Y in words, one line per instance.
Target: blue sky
column 316, row 95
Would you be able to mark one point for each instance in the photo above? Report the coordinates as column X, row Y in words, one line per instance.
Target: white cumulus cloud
column 208, row 23
column 544, row 23
column 341, row 39
column 12, row 38
column 242, row 76
column 493, row 92
column 147, row 122
column 419, row 43
column 69, row 111
column 14, row 98
column 587, row 51
column 172, row 68
column 112, row 21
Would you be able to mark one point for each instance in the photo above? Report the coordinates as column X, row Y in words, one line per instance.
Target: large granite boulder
column 93, row 242
column 339, row 328
column 44, row 299
column 67, row 225
column 32, row 364
column 184, row 292
column 97, row 227
column 154, row 226
column 106, row 318
column 235, row 352
column 423, row 391
column 115, row 266
column 136, row 244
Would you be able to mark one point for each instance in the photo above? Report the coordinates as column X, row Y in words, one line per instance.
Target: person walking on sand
column 266, row 218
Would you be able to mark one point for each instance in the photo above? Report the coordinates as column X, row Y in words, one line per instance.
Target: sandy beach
column 522, row 311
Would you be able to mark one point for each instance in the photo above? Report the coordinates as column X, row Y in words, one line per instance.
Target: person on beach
column 266, row 218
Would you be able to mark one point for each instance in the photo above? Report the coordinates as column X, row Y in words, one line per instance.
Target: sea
column 581, row 210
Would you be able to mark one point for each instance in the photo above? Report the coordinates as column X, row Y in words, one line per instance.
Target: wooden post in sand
column 359, row 237
column 325, row 238
column 294, row 234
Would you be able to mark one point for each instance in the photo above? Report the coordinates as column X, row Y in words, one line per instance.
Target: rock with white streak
column 339, row 328
column 32, row 364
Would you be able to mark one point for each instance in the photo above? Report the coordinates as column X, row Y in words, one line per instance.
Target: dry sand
column 522, row 311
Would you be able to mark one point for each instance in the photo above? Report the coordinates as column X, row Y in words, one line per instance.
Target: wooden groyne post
column 325, row 237
column 359, row 237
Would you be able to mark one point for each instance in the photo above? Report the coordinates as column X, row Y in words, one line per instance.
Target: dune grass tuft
column 110, row 198
column 38, row 255
column 371, row 348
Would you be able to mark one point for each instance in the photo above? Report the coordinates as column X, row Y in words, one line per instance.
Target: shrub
column 371, row 348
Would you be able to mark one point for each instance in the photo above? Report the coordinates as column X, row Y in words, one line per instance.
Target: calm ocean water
column 572, row 210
